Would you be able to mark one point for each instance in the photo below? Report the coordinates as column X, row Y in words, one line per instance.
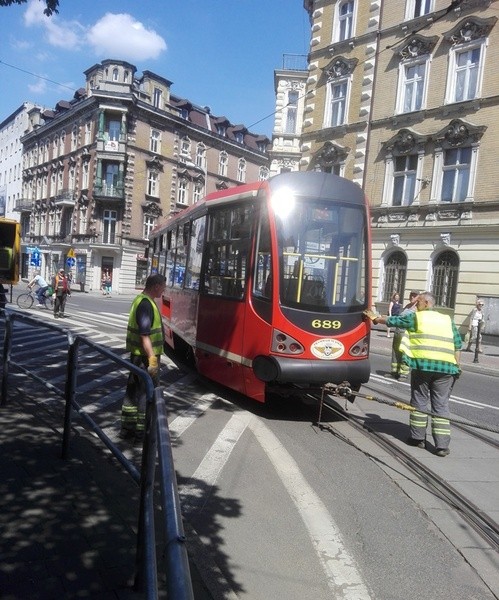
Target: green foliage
column 51, row 5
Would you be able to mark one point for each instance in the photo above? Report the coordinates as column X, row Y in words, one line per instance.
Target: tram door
column 222, row 307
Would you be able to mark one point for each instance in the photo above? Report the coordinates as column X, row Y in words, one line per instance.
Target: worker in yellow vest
column 431, row 349
column 145, row 341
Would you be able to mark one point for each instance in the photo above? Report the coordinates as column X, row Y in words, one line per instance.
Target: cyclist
column 43, row 286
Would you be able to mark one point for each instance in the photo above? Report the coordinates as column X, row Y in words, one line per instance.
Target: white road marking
column 339, row 566
column 187, row 418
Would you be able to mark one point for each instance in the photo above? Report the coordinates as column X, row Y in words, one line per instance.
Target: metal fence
column 156, row 448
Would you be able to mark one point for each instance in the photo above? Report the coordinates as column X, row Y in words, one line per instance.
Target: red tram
column 266, row 283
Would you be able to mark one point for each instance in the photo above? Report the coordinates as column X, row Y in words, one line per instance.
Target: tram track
column 469, row 429
column 482, row 523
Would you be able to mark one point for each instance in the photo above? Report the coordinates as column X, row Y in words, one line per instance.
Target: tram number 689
column 325, row 324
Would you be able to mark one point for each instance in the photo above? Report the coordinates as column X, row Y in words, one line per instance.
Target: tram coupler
column 343, row 390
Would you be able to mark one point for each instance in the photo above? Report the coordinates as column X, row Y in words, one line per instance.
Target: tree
column 52, row 5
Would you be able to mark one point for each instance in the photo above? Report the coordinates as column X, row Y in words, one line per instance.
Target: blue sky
column 220, row 53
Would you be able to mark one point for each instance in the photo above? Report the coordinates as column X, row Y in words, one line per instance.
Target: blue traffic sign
column 70, row 262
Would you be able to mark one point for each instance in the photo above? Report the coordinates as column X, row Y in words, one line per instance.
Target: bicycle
column 27, row 299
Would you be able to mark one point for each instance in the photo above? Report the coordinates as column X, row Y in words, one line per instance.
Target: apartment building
column 403, row 98
column 101, row 170
column 12, row 128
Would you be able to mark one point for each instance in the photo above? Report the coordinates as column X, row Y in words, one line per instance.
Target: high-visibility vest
column 433, row 338
column 133, row 338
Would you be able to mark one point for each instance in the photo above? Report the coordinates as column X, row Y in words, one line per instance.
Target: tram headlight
column 284, row 344
column 361, row 348
column 283, row 202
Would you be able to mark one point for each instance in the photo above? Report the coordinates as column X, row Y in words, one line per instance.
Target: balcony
column 111, row 146
column 23, row 205
column 65, row 198
column 109, row 193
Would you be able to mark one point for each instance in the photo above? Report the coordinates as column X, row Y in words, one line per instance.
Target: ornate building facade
column 403, row 98
column 289, row 85
column 101, row 170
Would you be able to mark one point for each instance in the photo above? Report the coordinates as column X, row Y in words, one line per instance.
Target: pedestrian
column 399, row 369
column 43, row 286
column 394, row 309
column 3, row 296
column 108, row 284
column 145, row 342
column 61, row 293
column 477, row 322
column 431, row 348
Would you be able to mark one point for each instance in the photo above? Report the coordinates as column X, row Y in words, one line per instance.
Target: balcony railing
column 109, row 192
column 65, row 198
column 24, row 205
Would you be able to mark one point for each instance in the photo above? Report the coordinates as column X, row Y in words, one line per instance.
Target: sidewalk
column 68, row 527
column 488, row 362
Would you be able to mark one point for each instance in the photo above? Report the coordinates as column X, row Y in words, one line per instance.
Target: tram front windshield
column 322, row 256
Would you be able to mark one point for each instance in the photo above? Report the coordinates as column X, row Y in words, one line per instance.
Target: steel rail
column 469, row 428
column 486, row 527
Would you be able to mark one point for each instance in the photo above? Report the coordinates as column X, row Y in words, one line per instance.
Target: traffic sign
column 70, row 261
column 71, row 253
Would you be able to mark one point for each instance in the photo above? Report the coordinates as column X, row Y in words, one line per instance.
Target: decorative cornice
column 330, row 154
column 406, row 141
column 459, row 133
column 340, row 67
column 417, row 45
column 469, row 29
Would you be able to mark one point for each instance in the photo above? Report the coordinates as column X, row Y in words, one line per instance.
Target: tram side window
column 227, row 251
column 180, row 256
column 263, row 268
column 195, row 254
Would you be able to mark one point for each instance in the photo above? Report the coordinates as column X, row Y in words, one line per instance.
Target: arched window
column 395, row 272
column 444, row 278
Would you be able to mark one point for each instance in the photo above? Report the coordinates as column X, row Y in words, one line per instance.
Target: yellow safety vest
column 433, row 338
column 133, row 338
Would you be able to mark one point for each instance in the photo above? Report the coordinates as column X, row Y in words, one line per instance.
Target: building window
column 418, row 8
column 185, row 147
column 241, row 170
column 291, row 113
column 337, row 98
column 239, row 137
column 109, row 219
column 84, row 176
column 155, row 141
column 88, row 133
column 465, row 73
column 149, row 223
column 201, row 156
column 404, row 180
column 157, row 97
column 152, row 183
column 456, row 174
column 115, row 74
column 223, row 160
column 412, row 86
column 183, row 192
column 111, row 178
column 222, row 129
column 198, row 192
column 74, row 138
column 344, row 22
column 263, row 174
column 113, row 131
column 394, row 275
column 445, row 276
